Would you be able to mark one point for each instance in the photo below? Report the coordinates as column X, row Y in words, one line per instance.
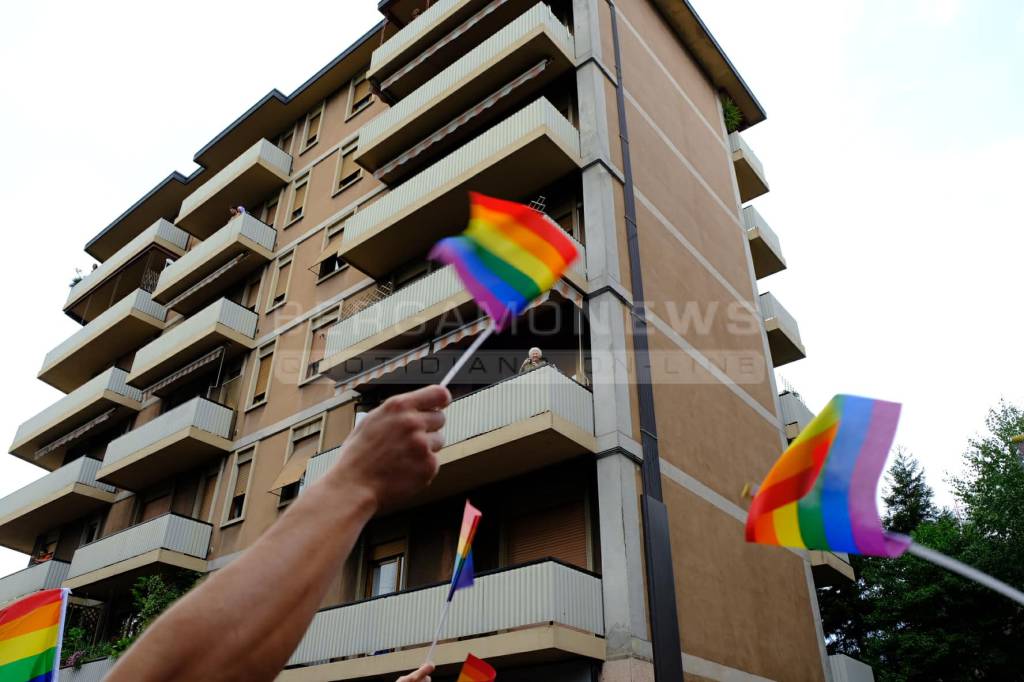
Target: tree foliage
column 911, row 620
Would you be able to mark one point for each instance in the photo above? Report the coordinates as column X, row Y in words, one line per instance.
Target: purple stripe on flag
column 868, row 533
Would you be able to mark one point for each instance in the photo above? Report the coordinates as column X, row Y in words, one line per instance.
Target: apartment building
column 223, row 359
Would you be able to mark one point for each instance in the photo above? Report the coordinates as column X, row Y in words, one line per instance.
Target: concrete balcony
column 96, row 404
column 135, row 265
column 542, row 609
column 93, row 671
column 513, row 160
column 765, row 249
column 207, row 271
column 246, row 181
column 64, row 495
column 846, row 669
column 116, row 332
column 514, row 426
column 783, row 332
column 441, row 34
column 44, row 576
column 223, row 323
column 795, row 414
column 113, row 562
column 412, row 128
column 831, row 568
column 185, row 437
column 749, row 171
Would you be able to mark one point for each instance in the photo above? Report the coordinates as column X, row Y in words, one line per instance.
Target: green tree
column 908, row 497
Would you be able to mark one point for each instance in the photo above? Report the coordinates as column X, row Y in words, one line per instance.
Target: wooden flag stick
column 966, row 571
column 440, row 626
column 477, row 342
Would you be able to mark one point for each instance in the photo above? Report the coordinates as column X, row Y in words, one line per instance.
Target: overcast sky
column 892, row 146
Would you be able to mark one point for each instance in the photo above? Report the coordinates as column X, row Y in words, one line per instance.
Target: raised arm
column 244, row 621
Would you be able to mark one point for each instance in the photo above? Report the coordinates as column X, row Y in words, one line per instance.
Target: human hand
column 391, row 453
column 420, row 675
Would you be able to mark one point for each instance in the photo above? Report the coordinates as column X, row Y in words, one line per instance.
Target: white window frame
column 291, row 219
column 282, row 260
column 261, row 352
column 347, row 147
column 232, row 479
column 325, row 319
column 305, row 145
column 351, row 112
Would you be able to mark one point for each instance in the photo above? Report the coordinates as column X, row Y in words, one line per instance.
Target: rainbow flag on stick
column 476, row 670
column 31, row 630
column 463, row 573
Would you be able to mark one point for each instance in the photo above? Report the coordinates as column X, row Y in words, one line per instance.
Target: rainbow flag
column 821, row 493
column 476, row 670
column 31, row 630
column 508, row 256
column 462, row 575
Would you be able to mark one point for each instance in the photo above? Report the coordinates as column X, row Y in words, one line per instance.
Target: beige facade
column 223, row 360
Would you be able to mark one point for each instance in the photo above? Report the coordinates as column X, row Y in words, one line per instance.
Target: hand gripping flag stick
column 462, row 574
column 820, row 494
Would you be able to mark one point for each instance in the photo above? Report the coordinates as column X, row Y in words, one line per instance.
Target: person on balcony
column 534, row 360
column 236, row 211
column 245, row 620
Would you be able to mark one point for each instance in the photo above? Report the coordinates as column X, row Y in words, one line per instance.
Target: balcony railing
column 60, row 496
column 129, row 268
column 44, row 576
column 831, row 568
column 749, row 171
column 516, row 158
column 246, row 181
column 93, row 671
column 106, row 394
column 172, row 539
column 544, row 391
column 223, row 323
column 535, row 594
column 232, row 253
column 96, row 346
column 536, row 37
column 795, row 414
column 176, row 441
column 765, row 249
column 783, row 331
column 441, row 34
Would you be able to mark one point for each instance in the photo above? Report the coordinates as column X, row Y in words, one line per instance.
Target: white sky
column 892, row 145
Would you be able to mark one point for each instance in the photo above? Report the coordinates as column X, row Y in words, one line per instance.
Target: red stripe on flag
column 28, row 604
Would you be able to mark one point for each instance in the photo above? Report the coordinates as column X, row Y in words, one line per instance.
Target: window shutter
column 558, row 532
column 263, row 376
column 282, row 280
column 299, row 201
column 313, row 128
column 242, row 478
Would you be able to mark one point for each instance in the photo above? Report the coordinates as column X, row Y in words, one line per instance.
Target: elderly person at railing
column 534, row 360
column 245, row 620
column 236, row 210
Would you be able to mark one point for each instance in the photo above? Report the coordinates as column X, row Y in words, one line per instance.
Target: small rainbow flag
column 31, row 630
column 821, row 493
column 462, row 575
column 508, row 256
column 476, row 670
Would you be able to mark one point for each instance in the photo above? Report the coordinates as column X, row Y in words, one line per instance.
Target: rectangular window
column 208, row 493
column 298, row 199
column 285, row 141
column 385, row 567
column 240, row 475
column 231, row 380
column 250, row 297
column 269, row 214
column 330, row 262
column 347, row 172
column 303, row 443
column 261, row 382
column 360, row 95
column 317, row 344
column 311, row 131
column 282, row 273
column 154, row 503
column 91, row 531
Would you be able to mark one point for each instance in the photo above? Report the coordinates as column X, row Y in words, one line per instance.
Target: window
column 261, row 382
column 347, row 172
column 240, row 475
column 316, row 345
column 269, row 214
column 298, row 199
column 209, row 491
column 230, row 383
column 285, row 141
column 360, row 95
column 385, row 567
column 250, row 295
column 311, row 131
column 282, row 273
column 91, row 531
column 330, row 262
column 46, row 545
column 153, row 503
column 304, row 442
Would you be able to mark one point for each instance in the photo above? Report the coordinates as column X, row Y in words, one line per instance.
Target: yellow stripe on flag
column 787, row 526
column 42, row 617
column 32, row 644
column 523, row 236
column 515, row 255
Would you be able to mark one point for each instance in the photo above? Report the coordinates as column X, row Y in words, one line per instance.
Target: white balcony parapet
column 115, row 332
column 43, row 576
column 168, row 532
column 538, row 20
column 161, row 233
column 242, row 234
column 534, row 594
column 749, row 171
column 256, row 171
column 88, row 400
column 82, row 471
column 502, row 404
column 795, row 414
column 765, row 247
column 438, row 13
column 198, row 413
column 783, row 331
column 219, row 322
column 456, row 168
column 93, row 671
column 846, row 669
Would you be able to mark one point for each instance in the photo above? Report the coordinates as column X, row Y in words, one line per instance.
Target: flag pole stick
column 966, row 571
column 437, row 633
column 477, row 342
